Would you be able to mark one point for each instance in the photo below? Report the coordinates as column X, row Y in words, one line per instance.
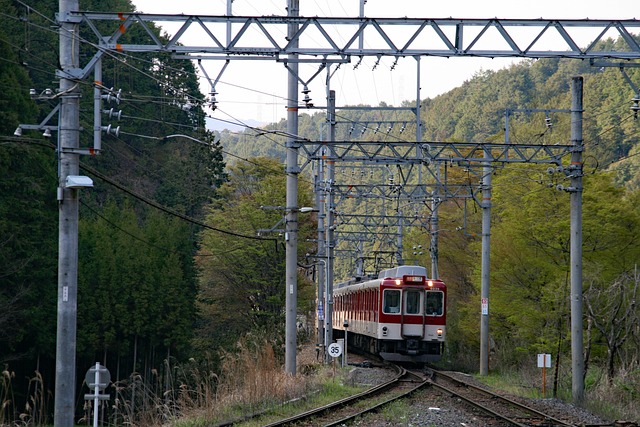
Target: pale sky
column 245, row 94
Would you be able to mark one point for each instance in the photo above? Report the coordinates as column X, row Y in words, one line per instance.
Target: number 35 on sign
column 335, row 350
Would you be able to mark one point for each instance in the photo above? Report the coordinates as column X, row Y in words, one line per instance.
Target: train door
column 413, row 315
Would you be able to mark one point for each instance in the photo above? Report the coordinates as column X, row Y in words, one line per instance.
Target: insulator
column 109, row 130
column 111, row 113
column 636, row 106
column 111, row 97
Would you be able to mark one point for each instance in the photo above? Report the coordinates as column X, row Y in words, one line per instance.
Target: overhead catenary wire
column 147, row 200
column 114, row 56
column 165, row 209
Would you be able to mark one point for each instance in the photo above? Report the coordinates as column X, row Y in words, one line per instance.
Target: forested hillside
column 530, row 219
column 172, row 270
column 137, row 274
column 475, row 112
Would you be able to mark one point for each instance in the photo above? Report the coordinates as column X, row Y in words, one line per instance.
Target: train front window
column 435, row 303
column 391, row 301
column 412, row 301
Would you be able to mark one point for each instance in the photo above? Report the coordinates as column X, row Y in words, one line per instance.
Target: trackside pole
column 486, row 239
column 68, row 164
column 577, row 358
column 291, row 226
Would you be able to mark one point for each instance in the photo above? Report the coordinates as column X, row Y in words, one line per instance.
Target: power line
column 147, row 200
column 165, row 209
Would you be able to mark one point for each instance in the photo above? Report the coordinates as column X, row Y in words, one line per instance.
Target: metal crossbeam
column 392, row 153
column 397, row 37
column 415, row 192
column 381, row 220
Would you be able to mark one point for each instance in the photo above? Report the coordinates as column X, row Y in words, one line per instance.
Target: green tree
column 135, row 285
column 530, row 255
column 242, row 279
column 28, row 214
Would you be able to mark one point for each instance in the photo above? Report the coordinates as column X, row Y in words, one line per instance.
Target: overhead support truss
column 326, row 39
column 392, row 153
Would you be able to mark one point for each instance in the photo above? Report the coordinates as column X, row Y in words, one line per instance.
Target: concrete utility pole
column 433, row 249
column 291, row 227
column 577, row 359
column 486, row 250
column 330, row 228
column 322, row 257
column 68, row 134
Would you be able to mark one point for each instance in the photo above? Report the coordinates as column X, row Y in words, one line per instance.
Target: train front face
column 412, row 315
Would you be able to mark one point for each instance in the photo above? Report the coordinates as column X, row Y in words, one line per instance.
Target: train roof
column 373, row 281
column 403, row 270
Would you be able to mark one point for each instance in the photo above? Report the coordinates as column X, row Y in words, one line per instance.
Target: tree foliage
column 137, row 277
column 242, row 277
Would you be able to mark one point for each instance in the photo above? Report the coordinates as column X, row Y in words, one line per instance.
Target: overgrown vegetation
column 609, row 401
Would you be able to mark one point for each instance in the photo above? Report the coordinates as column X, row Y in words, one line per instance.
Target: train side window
column 412, row 301
column 435, row 303
column 391, row 301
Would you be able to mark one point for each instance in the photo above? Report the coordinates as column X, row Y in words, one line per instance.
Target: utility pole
column 435, row 202
column 68, row 134
column 577, row 358
column 291, row 227
column 321, row 256
column 329, row 228
column 486, row 250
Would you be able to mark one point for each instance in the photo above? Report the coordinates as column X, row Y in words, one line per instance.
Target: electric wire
column 545, row 131
column 151, row 76
column 122, row 230
column 165, row 209
column 133, row 194
column 149, row 201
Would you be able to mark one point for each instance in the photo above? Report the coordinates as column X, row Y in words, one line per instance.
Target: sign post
column 544, row 362
column 97, row 379
column 346, row 326
column 335, row 350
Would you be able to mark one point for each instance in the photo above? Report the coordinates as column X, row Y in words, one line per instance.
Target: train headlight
column 398, row 282
column 384, row 331
column 430, row 283
column 439, row 332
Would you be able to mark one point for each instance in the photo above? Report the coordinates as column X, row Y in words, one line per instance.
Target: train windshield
column 391, row 301
column 435, row 303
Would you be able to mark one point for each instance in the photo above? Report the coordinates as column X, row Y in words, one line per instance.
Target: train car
column 400, row 315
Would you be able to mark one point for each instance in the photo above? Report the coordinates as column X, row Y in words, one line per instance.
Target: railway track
column 499, row 409
column 477, row 406
column 346, row 410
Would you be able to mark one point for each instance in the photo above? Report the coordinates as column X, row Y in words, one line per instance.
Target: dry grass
column 617, row 400
column 250, row 381
column 35, row 408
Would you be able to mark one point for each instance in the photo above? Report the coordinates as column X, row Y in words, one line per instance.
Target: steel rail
column 342, row 402
column 493, row 395
column 375, row 408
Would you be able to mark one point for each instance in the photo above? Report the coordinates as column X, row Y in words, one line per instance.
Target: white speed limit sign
column 335, row 349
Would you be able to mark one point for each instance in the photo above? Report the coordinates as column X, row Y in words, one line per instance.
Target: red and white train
column 400, row 316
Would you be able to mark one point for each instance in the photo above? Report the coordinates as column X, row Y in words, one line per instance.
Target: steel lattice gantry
column 338, row 38
column 410, row 189
column 426, row 152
